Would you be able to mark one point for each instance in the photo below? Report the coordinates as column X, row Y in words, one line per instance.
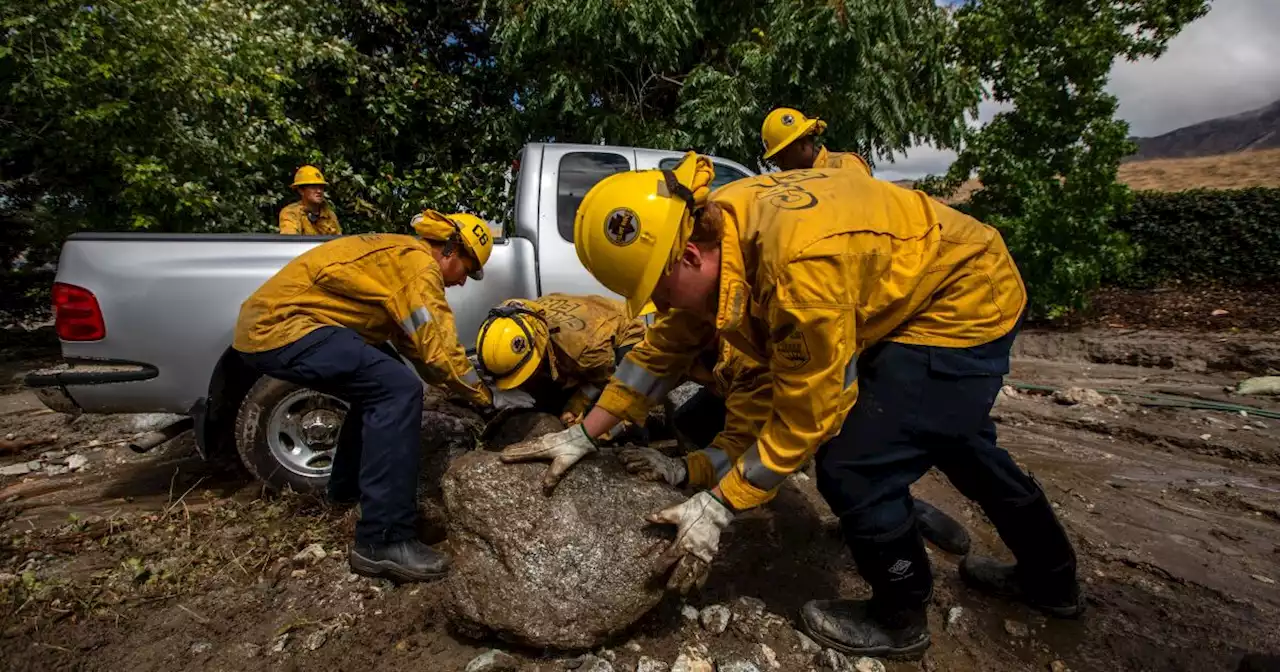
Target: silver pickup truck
column 146, row 320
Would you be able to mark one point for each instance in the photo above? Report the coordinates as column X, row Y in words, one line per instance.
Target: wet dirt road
column 163, row 562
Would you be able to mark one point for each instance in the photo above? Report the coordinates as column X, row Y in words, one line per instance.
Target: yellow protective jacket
column 827, row 159
column 816, row 266
column 294, row 220
column 745, row 386
column 386, row 287
column 585, row 334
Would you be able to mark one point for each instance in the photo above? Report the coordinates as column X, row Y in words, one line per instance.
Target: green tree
column 1048, row 166
column 702, row 74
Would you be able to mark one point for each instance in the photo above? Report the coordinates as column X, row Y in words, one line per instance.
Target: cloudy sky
column 1225, row 63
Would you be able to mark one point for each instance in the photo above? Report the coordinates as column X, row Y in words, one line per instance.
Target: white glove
column 563, row 448
column 516, row 398
column 652, row 465
column 698, row 522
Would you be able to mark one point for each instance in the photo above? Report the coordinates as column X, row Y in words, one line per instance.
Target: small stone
column 1206, row 437
column 597, row 665
column 55, row 470
column 633, row 646
column 807, row 645
column 20, row 469
column 689, row 661
column 689, row 613
column 10, row 436
column 954, row 614
column 200, row 647
column 834, row 661
column 647, row 664
column 868, row 665
column 1079, row 395
column 492, row 660
column 1009, row 391
column 751, row 607
column 77, row 462
column 737, row 666
column 298, row 573
column 312, row 553
column 1058, row 666
column 281, row 642
column 607, row 654
column 1264, row 579
column 1016, row 628
column 1219, row 312
column 770, row 658
column 249, row 650
column 715, row 618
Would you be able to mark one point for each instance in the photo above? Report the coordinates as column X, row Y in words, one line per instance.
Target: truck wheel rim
column 303, row 431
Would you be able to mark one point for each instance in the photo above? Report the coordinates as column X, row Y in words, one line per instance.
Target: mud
column 164, row 562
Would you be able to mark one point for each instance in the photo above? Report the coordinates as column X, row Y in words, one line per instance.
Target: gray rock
column 310, row 554
column 492, row 660
column 1016, row 628
column 749, row 607
column 19, row 469
column 563, row 572
column 770, row 658
column 834, row 661
column 598, row 665
column 1260, row 385
column 807, row 645
column 200, row 647
column 522, row 427
column 647, row 664
column 77, row 462
column 715, row 618
column 868, row 665
column 55, row 470
column 737, row 666
column 954, row 614
column 689, row 613
column 316, row 639
column 608, row 654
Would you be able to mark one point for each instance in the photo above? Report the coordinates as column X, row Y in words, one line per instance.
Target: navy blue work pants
column 386, row 413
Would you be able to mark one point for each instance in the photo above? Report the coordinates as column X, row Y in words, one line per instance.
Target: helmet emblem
column 519, row 345
column 622, row 227
column 788, row 119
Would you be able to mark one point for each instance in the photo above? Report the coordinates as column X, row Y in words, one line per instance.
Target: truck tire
column 286, row 435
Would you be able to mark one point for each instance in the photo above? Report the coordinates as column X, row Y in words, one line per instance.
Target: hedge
column 1227, row 237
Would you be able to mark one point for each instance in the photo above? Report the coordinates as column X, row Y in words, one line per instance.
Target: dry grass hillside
column 1259, row 168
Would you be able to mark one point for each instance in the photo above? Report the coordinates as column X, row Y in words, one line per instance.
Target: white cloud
column 1225, row 63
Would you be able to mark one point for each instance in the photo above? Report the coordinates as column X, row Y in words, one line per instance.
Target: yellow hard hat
column 307, row 176
column 512, row 344
column 472, row 230
column 784, row 126
column 631, row 226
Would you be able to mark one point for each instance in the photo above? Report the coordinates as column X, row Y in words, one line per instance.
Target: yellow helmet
column 784, row 126
column 307, row 176
column 473, row 231
column 631, row 226
column 512, row 344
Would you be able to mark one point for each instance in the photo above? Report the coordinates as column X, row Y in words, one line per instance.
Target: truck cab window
column 724, row 174
column 579, row 171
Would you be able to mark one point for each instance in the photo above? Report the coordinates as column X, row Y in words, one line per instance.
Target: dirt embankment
column 164, row 562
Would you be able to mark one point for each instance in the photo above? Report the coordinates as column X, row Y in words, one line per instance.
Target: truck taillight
column 76, row 314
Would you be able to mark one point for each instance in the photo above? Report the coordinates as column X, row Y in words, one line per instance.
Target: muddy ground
column 164, row 562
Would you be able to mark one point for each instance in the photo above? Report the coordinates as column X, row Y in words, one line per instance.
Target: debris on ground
column 1084, row 396
column 565, row 571
column 1259, row 385
column 492, row 660
column 715, row 618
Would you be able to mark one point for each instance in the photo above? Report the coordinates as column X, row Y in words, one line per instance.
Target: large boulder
column 563, row 572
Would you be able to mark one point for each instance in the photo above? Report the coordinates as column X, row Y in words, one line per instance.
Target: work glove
column 504, row 399
column 698, row 522
column 564, row 448
column 652, row 465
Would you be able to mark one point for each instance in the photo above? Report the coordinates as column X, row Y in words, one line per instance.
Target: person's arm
column 427, row 327
column 748, row 393
column 654, row 366
column 813, row 367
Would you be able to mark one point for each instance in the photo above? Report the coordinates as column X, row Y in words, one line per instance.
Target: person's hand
column 564, row 449
column 504, row 399
column 699, row 521
column 652, row 465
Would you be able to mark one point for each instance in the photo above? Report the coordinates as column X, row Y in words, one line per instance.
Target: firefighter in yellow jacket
column 886, row 321
column 790, row 143
column 560, row 348
column 322, row 321
column 310, row 215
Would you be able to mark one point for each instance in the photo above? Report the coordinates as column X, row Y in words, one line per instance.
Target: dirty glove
column 563, row 448
column 652, row 465
column 504, row 399
column 699, row 521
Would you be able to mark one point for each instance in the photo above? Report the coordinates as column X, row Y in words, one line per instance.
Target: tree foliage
column 702, row 74
column 1048, row 166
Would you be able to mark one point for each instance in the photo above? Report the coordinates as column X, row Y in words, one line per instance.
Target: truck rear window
column 579, row 171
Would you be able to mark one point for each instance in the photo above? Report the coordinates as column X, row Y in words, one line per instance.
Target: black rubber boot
column 403, row 561
column 941, row 529
column 894, row 622
column 1045, row 573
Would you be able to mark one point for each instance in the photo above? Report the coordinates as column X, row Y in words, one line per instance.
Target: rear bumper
column 50, row 385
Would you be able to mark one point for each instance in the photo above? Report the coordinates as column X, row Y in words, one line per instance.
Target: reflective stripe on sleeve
column 418, row 318
column 637, row 378
column 720, row 462
column 756, row 473
column 851, row 372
